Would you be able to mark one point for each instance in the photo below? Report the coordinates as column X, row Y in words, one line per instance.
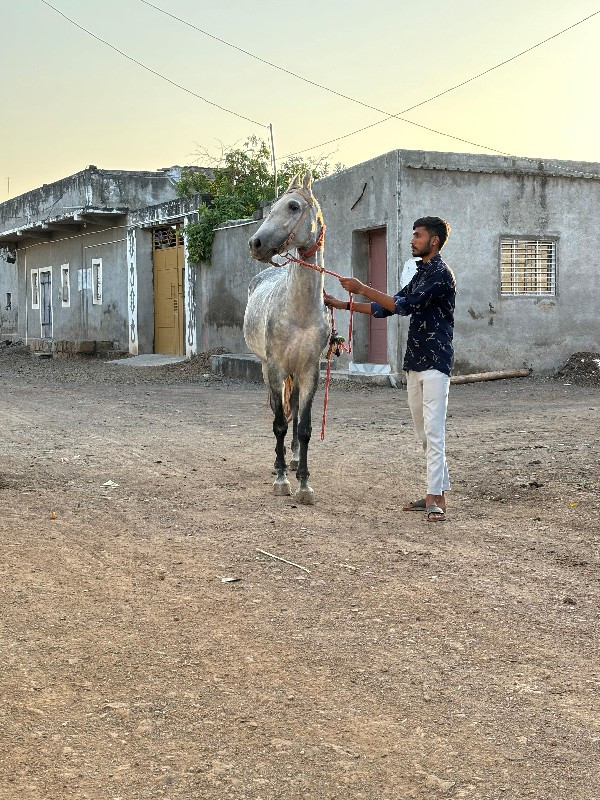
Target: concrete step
column 112, row 355
column 247, row 367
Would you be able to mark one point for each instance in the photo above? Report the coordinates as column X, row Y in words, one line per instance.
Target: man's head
column 429, row 236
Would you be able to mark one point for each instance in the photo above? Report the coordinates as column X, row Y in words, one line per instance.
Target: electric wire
column 387, row 114
column 153, row 71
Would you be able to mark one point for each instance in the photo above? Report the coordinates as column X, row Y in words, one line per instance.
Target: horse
column 287, row 325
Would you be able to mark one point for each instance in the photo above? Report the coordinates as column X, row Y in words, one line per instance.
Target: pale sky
column 69, row 101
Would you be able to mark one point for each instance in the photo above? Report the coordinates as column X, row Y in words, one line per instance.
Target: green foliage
column 242, row 180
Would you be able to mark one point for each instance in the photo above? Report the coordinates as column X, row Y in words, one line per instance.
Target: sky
column 69, row 101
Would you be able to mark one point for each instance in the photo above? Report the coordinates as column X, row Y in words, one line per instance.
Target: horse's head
column 294, row 221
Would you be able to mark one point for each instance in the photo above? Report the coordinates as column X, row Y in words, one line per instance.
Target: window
column 168, row 236
column 97, row 281
column 8, row 301
column 65, row 286
column 35, row 288
column 528, row 266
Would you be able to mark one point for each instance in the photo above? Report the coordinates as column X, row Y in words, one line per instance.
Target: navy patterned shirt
column 429, row 300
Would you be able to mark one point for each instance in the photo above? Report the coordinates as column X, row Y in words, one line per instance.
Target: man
column 429, row 300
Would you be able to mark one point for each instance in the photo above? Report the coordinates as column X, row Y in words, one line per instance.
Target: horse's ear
column 308, row 179
column 295, row 181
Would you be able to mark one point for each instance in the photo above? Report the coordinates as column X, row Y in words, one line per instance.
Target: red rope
column 316, row 246
column 347, row 349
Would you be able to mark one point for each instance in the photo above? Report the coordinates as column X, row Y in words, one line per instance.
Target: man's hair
column 435, row 227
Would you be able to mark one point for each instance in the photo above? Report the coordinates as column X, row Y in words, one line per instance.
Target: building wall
column 484, row 198
column 222, row 289
column 222, row 286
column 82, row 319
column 9, row 284
column 355, row 201
column 494, row 332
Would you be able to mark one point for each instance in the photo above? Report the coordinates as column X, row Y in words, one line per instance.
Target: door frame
column 373, row 321
column 170, row 236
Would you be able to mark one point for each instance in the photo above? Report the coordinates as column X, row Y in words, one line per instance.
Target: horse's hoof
column 305, row 496
column 282, row 488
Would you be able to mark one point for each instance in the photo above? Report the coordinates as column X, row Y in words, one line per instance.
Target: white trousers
column 428, row 402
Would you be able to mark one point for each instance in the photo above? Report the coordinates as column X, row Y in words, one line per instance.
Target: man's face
column 421, row 243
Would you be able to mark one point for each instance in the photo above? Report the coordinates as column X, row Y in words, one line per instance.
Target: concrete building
column 519, row 246
column 100, row 257
column 81, row 268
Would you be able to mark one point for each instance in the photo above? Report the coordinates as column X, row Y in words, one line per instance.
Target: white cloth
column 408, row 271
column 428, row 402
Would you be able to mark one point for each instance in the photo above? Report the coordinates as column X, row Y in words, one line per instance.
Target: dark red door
column 377, row 278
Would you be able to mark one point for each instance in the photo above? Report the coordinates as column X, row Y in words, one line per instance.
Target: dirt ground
column 399, row 659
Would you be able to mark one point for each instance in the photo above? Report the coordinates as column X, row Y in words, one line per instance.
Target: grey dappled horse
column 286, row 323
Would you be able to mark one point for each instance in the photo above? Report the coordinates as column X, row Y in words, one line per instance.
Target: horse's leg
column 308, row 387
column 281, row 486
column 295, row 441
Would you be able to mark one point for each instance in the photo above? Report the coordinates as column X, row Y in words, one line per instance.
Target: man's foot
column 435, row 507
column 435, row 514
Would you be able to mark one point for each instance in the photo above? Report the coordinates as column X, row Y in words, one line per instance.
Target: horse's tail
column 288, row 385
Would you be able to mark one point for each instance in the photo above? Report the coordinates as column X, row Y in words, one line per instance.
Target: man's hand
column 333, row 302
column 353, row 285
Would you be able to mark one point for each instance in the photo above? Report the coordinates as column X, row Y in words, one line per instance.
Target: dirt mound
column 582, row 369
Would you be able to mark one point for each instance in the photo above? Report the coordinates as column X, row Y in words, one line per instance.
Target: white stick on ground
column 285, row 561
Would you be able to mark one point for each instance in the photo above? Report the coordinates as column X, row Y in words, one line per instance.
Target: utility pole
column 273, row 158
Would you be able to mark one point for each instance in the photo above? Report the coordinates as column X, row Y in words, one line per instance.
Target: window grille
column 528, row 266
column 169, row 236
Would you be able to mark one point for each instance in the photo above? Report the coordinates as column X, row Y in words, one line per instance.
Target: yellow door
column 168, row 300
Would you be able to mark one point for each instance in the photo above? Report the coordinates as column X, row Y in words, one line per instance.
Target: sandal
column 415, row 505
column 440, row 514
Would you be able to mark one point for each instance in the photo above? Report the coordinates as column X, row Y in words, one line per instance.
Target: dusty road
column 407, row 660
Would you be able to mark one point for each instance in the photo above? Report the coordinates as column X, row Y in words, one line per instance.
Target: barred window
column 168, row 236
column 528, row 266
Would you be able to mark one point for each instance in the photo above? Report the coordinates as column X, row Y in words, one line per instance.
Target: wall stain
column 475, row 314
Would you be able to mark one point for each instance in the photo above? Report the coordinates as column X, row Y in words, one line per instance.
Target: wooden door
column 377, row 278
column 168, row 259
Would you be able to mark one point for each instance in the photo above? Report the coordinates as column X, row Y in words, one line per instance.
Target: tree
column 241, row 181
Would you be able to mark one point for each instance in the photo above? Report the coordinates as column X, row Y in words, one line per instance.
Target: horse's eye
column 293, row 206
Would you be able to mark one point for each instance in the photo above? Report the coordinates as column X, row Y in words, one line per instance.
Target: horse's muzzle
column 258, row 249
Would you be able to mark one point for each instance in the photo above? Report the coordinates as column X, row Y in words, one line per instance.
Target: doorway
column 377, row 279
column 46, row 302
column 169, row 263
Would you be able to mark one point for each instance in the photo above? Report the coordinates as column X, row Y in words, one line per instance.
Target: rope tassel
column 337, row 346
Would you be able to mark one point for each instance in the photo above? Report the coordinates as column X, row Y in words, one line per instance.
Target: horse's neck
column 305, row 285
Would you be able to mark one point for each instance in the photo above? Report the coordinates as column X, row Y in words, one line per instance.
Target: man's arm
column 355, row 286
column 333, row 302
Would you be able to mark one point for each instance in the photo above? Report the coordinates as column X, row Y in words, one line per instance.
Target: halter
column 310, row 203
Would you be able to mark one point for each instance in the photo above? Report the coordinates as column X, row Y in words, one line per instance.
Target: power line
column 387, row 114
column 447, row 91
column 149, row 69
